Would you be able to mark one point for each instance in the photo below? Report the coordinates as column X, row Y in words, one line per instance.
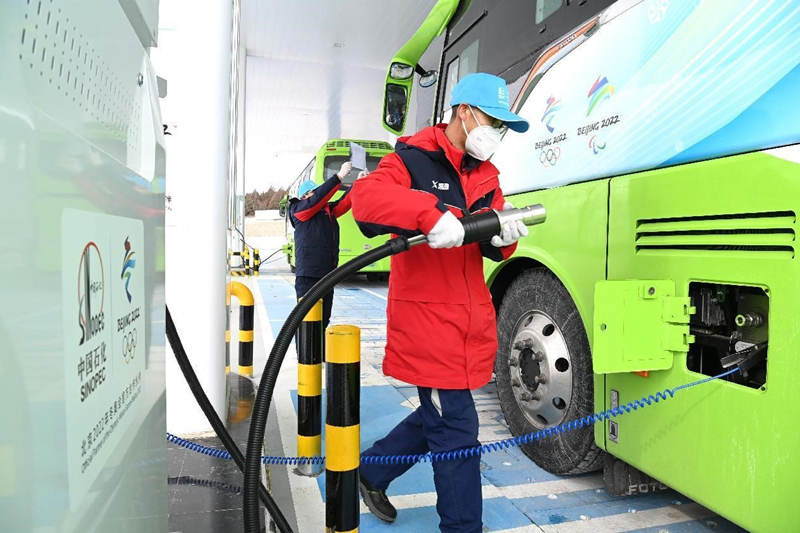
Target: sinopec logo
column 91, row 293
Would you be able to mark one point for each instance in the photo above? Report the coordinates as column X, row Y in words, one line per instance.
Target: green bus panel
column 352, row 243
column 731, row 448
column 578, row 211
column 639, row 325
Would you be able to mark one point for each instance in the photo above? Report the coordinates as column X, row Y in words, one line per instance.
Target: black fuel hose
column 216, row 423
column 477, row 228
column 252, row 520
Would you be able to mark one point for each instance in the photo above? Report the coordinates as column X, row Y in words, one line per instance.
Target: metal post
column 246, row 319
column 342, row 428
column 227, row 328
column 309, row 389
column 256, row 261
column 198, row 56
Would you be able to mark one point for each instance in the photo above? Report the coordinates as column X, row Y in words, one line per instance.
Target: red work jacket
column 441, row 329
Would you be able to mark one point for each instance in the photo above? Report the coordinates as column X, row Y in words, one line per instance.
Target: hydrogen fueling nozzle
column 483, row 226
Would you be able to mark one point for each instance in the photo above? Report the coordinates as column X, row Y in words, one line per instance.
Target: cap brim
column 512, row 120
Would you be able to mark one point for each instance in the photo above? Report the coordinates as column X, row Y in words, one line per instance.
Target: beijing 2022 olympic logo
column 549, row 156
column 129, row 341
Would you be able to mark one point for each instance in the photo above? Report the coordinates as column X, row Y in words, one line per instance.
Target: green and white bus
column 322, row 166
column 664, row 145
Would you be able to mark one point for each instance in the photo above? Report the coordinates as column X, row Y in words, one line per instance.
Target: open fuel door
column 639, row 325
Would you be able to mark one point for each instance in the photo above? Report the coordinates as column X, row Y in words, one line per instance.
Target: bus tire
column 544, row 372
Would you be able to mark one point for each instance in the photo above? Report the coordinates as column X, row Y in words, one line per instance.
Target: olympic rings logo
column 129, row 341
column 549, row 157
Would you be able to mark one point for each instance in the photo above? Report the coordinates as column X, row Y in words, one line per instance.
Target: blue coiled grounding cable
column 474, row 450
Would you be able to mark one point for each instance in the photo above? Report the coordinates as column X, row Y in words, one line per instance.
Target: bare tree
column 257, row 201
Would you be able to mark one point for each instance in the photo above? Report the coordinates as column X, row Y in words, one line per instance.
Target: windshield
column 334, row 162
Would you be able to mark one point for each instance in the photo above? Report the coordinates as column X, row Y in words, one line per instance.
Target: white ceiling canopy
column 315, row 70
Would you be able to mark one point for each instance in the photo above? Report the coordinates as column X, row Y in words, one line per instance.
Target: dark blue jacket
column 316, row 231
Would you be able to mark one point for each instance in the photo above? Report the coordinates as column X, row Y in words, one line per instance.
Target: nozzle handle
column 483, row 226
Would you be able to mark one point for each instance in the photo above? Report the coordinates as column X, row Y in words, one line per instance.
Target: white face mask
column 482, row 141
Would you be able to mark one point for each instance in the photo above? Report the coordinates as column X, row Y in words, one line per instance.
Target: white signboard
column 358, row 156
column 105, row 321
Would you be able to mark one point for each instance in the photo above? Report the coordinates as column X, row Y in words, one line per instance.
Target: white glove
column 447, row 232
column 345, row 169
column 362, row 174
column 511, row 232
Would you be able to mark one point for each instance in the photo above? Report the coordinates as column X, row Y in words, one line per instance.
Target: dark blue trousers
column 451, row 423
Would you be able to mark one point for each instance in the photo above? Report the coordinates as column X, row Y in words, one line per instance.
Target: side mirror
column 405, row 62
column 282, row 206
column 395, row 107
column 428, row 79
column 162, row 87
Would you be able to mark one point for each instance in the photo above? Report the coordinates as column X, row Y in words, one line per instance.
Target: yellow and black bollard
column 309, row 389
column 246, row 320
column 342, row 429
column 256, row 261
column 246, row 259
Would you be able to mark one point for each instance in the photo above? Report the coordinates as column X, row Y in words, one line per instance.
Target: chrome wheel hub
column 541, row 370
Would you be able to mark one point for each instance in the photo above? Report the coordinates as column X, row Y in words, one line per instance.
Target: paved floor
column 518, row 495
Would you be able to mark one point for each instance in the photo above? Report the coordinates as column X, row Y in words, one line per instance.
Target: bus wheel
column 544, row 372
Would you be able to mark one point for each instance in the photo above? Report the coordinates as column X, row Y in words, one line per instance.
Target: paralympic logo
column 601, row 90
column 127, row 265
column 595, row 145
column 553, row 105
column 549, row 157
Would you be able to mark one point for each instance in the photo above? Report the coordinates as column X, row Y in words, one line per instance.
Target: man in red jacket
column 441, row 330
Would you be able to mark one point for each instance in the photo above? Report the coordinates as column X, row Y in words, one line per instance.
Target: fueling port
column 730, row 328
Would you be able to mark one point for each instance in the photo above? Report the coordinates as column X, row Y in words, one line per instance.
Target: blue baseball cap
column 489, row 94
column 305, row 187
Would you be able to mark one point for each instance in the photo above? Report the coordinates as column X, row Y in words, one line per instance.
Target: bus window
column 651, row 88
column 306, row 174
column 333, row 163
column 545, row 8
column 466, row 63
column 452, row 79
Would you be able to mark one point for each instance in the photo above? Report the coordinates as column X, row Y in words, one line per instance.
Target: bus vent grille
column 375, row 145
column 764, row 234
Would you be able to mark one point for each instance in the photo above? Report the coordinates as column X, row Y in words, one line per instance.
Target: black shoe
column 376, row 501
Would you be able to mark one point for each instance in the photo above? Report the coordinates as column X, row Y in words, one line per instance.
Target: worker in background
column 441, row 330
column 316, row 233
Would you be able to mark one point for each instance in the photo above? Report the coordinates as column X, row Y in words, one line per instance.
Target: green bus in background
column 323, row 165
column 664, row 143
